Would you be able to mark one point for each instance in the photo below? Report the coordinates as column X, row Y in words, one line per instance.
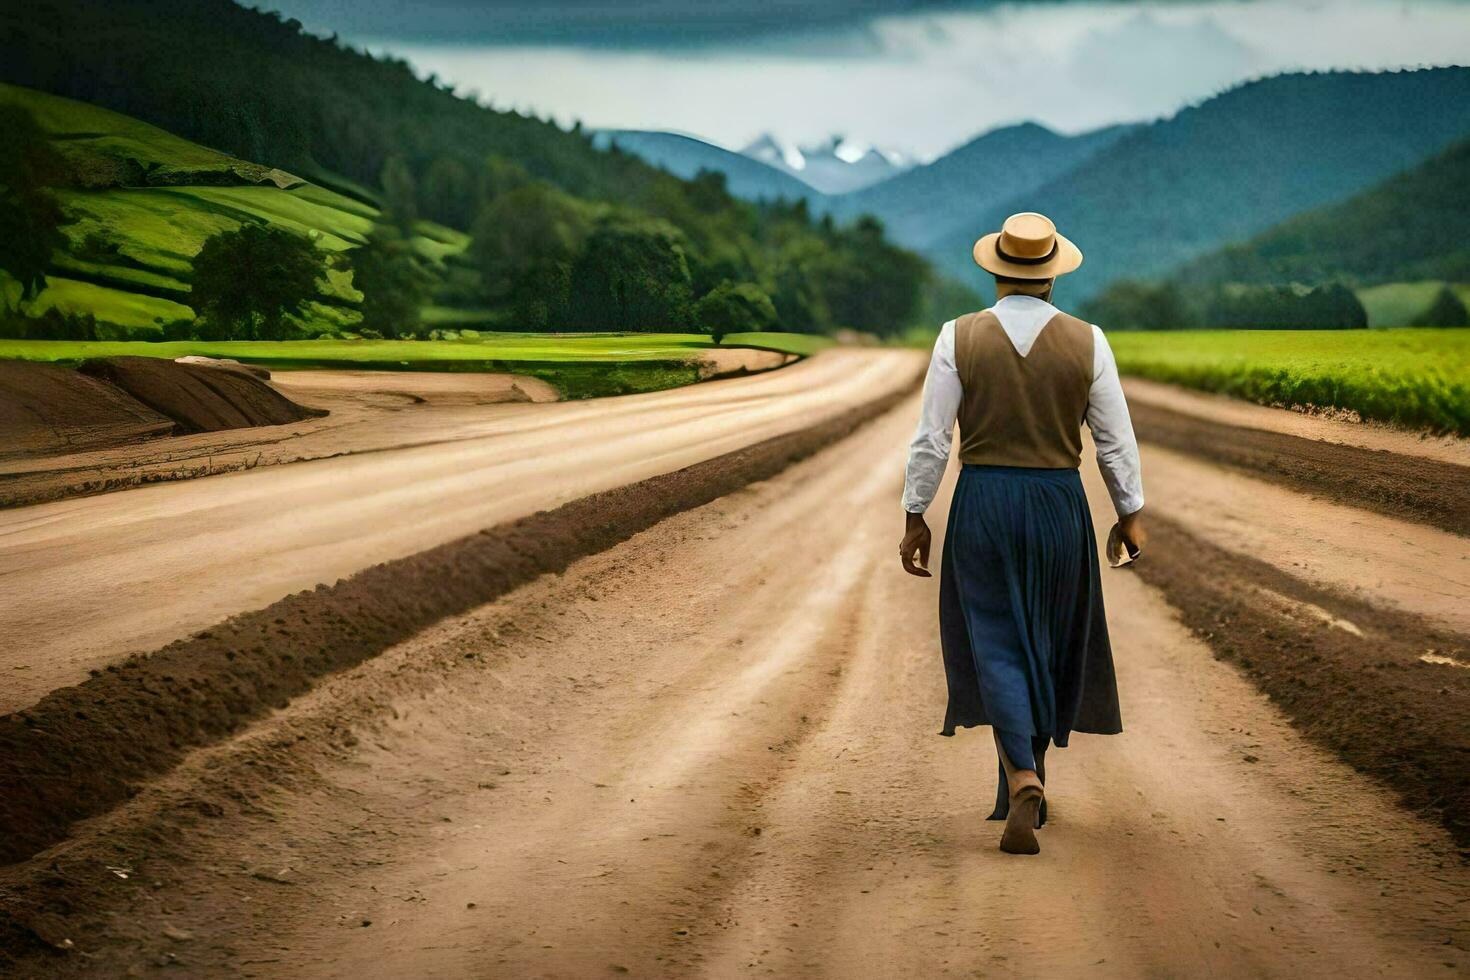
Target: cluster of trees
column 561, row 262
column 1445, row 310
column 1133, row 305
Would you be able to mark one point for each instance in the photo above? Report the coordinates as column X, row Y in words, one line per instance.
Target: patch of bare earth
column 80, row 750
column 712, row 750
column 719, row 362
column 1380, row 687
column 1313, row 424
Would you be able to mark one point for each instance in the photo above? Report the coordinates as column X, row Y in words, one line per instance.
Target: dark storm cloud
column 595, row 23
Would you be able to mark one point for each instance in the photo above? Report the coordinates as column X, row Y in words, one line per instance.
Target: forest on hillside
column 1304, row 271
column 563, row 235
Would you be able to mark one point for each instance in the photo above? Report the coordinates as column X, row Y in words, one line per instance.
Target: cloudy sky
column 909, row 75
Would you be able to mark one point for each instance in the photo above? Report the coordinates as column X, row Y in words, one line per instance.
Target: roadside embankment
column 199, row 397
column 47, row 409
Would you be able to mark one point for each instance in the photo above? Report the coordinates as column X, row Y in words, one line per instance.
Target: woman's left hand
column 915, row 542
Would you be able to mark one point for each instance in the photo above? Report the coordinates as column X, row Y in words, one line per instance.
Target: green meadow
column 1412, row 377
column 579, row 365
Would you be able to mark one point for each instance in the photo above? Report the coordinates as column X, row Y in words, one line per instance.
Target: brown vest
column 1023, row 411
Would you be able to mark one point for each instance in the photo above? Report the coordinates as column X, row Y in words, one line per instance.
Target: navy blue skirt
column 1021, row 615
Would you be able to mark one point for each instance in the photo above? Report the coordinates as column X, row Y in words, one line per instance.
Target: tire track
column 1428, row 491
column 1360, row 679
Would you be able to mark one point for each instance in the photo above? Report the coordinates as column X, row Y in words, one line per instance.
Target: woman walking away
column 1021, row 616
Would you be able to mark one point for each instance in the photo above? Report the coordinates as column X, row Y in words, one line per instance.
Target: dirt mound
column 79, row 751
column 48, row 409
column 198, row 398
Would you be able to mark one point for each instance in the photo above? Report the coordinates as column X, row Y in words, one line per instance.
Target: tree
column 248, row 280
column 801, row 304
column 1232, row 306
column 1133, row 305
column 525, row 241
column 1333, row 306
column 734, row 308
column 631, row 275
column 1445, row 311
column 400, row 193
column 499, row 176
column 393, row 284
column 448, row 193
column 708, row 191
column 30, row 218
column 870, row 284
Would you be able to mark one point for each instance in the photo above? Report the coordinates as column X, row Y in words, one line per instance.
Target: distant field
column 1418, row 378
column 1399, row 303
column 580, row 365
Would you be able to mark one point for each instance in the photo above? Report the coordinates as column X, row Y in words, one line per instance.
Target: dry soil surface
column 91, row 579
column 712, row 751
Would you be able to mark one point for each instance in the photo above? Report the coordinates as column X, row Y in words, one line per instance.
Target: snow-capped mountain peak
column 836, row 166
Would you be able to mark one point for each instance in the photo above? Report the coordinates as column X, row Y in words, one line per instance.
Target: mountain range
column 767, row 169
column 1143, row 200
column 1231, row 168
column 1407, row 228
column 685, row 156
column 921, row 205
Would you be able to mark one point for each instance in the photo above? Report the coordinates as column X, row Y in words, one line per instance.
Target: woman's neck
column 1003, row 289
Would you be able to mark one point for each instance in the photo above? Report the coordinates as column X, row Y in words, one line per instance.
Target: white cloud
column 925, row 82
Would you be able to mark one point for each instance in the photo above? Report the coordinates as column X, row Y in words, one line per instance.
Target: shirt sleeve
column 929, row 449
column 1112, row 430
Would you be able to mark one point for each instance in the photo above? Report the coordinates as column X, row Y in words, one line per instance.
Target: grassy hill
column 1231, row 168
column 141, row 201
column 253, row 85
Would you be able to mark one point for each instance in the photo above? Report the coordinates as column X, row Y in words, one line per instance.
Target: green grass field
column 580, row 365
column 1414, row 377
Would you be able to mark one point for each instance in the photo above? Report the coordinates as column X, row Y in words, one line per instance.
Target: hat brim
column 1066, row 259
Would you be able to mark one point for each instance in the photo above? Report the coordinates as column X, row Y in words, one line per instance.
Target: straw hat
column 1027, row 247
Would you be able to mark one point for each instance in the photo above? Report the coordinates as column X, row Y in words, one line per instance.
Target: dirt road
column 88, row 580
column 711, row 751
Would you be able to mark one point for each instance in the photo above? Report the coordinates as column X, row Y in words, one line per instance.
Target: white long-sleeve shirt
column 1022, row 318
